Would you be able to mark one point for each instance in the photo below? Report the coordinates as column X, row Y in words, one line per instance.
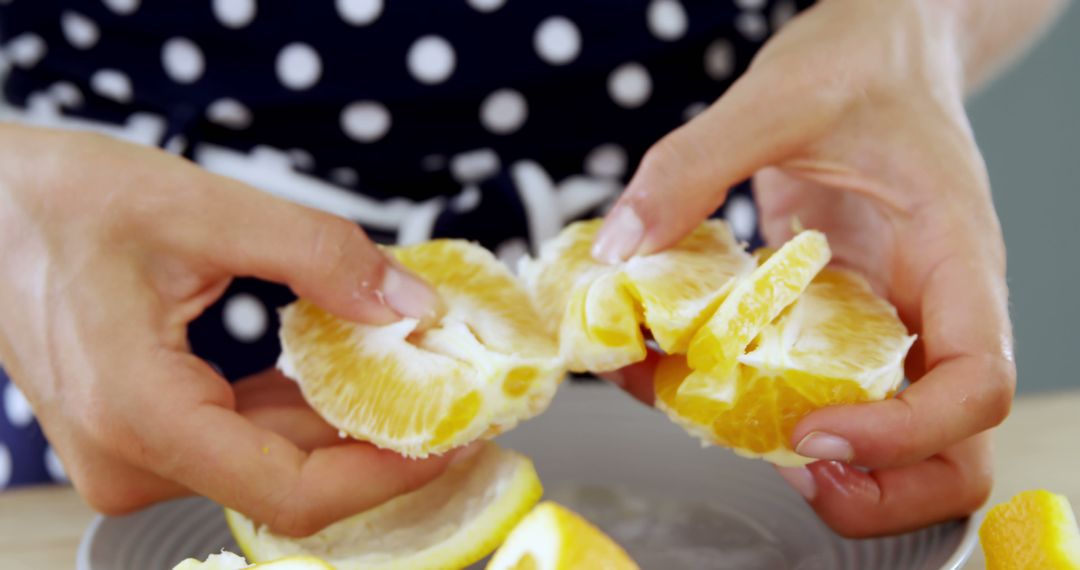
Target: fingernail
column 801, row 479
column 465, row 453
column 821, row 445
column 406, row 294
column 620, row 236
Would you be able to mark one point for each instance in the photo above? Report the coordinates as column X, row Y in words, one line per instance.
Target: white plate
column 671, row 503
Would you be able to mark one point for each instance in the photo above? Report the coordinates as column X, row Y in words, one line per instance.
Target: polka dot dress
column 497, row 121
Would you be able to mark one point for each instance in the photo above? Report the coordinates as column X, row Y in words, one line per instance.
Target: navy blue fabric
column 570, row 108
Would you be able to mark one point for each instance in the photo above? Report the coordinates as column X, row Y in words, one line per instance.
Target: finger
column 637, row 379
column 322, row 257
column 762, row 119
column 967, row 389
column 271, row 401
column 215, row 452
column 860, row 504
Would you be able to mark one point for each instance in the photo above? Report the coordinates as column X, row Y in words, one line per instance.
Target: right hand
column 107, row 251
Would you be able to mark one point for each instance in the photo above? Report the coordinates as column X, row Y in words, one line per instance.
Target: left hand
column 851, row 118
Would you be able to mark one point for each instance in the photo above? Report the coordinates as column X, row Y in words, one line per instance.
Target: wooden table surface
column 40, row 528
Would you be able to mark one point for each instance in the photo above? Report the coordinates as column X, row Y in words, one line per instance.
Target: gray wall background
column 1028, row 126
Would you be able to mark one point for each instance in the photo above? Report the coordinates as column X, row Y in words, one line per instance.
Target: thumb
column 764, row 118
column 242, row 231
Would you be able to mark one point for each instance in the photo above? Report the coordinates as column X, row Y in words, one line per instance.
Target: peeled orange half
column 838, row 343
column 485, row 365
column 751, row 345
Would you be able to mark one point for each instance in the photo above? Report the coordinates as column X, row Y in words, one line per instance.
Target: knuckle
column 976, row 492
column 290, row 519
column 104, row 495
column 334, row 245
column 666, row 159
column 1000, row 386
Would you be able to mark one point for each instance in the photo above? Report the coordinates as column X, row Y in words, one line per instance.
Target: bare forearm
column 992, row 34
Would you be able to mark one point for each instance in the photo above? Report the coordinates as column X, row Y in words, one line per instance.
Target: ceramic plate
column 673, row 504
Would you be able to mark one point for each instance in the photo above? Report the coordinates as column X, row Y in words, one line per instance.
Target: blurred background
column 1028, row 126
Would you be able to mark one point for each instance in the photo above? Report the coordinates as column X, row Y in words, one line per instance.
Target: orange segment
column 599, row 309
column 752, row 304
column 486, row 364
column 763, row 413
column 1036, row 529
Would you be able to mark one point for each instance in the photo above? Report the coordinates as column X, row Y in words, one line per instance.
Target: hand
column 852, row 119
column 107, row 252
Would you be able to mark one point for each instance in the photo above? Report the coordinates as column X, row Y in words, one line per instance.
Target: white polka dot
column 750, row 4
column 719, row 60
column 466, row 201
column 630, row 85
column 67, row 94
column 474, row 166
column 365, row 121
column 229, row 113
column 122, row 7
column 79, row 30
column 245, row 317
column 557, row 40
column 54, row 466
column 666, row 19
column 782, row 12
column 504, row 111
column 16, row 408
column 183, row 60
column 301, row 159
column 112, row 84
column 606, row 161
column 486, row 5
column 359, row 12
column 431, row 60
column 751, row 25
column 694, row 109
column 742, row 217
column 298, row 66
column 176, row 144
column 25, row 50
column 234, row 13
column 5, row 466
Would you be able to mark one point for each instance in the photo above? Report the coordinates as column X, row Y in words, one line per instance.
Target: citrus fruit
column 598, row 310
column 1035, row 529
column 484, row 365
column 837, row 343
column 450, row 523
column 230, row 561
column 552, row 537
column 753, row 303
